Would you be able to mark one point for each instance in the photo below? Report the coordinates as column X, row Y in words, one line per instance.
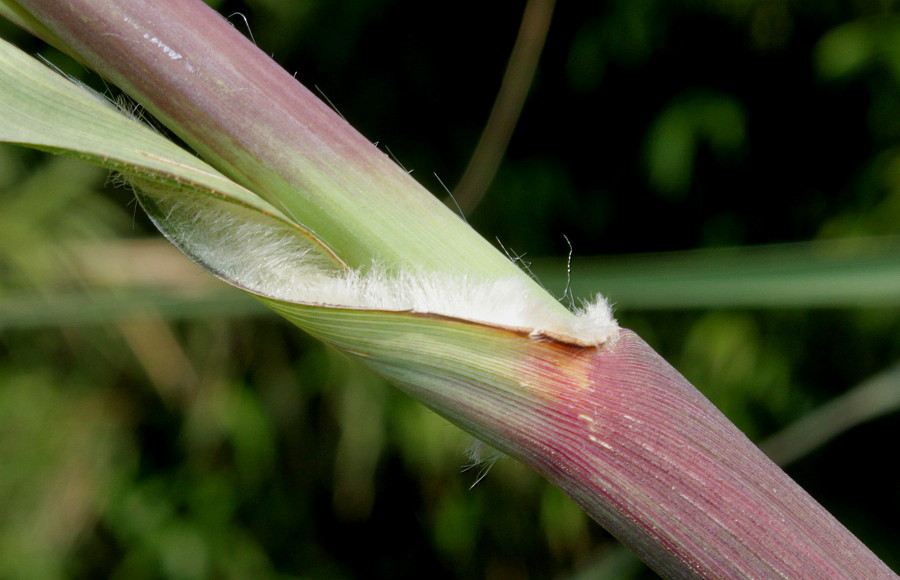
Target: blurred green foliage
column 156, row 443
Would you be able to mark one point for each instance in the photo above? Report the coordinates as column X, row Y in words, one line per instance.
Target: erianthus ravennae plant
column 294, row 206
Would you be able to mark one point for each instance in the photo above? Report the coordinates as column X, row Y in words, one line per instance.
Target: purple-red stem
column 650, row 458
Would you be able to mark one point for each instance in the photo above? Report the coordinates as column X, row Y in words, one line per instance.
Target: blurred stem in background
column 514, row 88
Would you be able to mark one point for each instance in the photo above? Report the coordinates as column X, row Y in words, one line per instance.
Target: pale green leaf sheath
column 240, row 237
column 329, row 233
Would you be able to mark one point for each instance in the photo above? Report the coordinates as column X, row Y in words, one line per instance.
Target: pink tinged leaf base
column 650, row 458
column 619, row 430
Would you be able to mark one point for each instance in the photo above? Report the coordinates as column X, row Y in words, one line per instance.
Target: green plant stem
column 498, row 131
column 874, row 398
column 625, row 435
column 253, row 121
column 855, row 272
